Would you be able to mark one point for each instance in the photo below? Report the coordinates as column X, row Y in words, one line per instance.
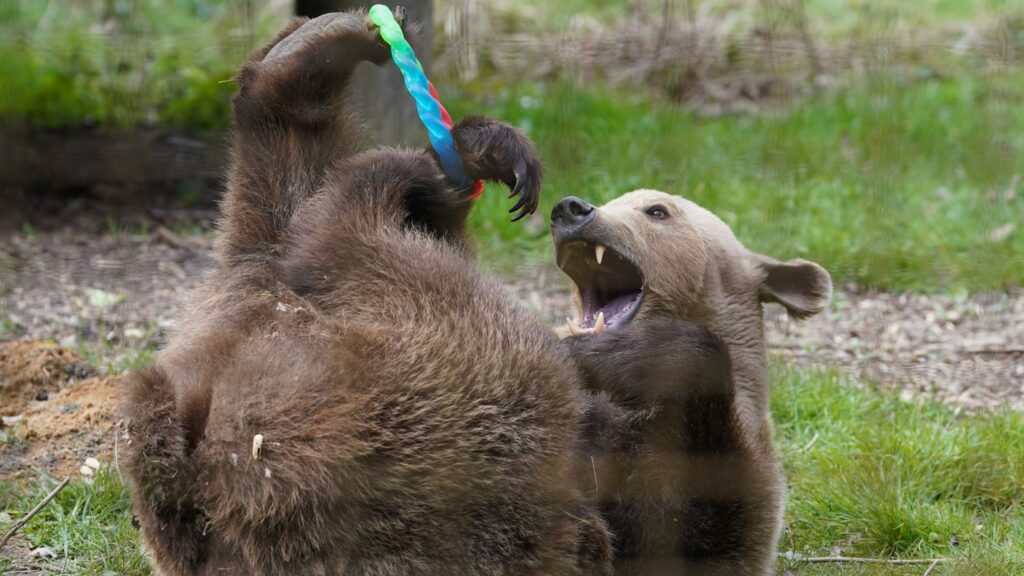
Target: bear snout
column 570, row 214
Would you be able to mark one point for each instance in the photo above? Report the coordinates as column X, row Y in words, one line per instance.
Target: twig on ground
column 809, row 444
column 117, row 434
column 24, row 519
column 1003, row 350
column 856, row 560
column 170, row 237
column 932, row 567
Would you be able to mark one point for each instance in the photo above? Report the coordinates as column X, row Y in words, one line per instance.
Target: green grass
column 92, row 522
column 896, row 185
column 868, row 473
column 879, row 477
column 125, row 64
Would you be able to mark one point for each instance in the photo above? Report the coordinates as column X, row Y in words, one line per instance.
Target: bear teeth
column 574, row 328
column 599, row 252
column 599, row 323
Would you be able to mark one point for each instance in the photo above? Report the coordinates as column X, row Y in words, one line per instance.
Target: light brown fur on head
column 696, row 269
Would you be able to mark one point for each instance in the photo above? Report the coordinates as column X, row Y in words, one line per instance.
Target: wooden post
column 379, row 91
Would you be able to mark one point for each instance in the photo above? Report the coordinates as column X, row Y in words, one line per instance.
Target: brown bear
column 668, row 334
column 347, row 393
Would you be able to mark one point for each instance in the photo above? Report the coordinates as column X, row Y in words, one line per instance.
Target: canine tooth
column 599, row 323
column 599, row 252
column 573, row 328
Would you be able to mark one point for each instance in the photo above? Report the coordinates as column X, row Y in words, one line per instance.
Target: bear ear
column 803, row 287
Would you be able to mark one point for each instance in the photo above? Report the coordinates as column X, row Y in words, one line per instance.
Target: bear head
column 651, row 254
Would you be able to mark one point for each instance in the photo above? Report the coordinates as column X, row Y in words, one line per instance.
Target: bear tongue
column 617, row 306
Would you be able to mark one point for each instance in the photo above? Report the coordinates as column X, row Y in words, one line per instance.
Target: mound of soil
column 54, row 421
column 32, row 370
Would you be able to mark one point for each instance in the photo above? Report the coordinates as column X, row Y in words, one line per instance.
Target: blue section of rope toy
column 430, row 111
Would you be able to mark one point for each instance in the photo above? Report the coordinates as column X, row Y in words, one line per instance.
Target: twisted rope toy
column 428, row 105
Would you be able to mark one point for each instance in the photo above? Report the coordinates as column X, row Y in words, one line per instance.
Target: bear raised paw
column 669, row 337
column 346, row 393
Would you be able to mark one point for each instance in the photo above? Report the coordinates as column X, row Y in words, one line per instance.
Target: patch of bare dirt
column 967, row 351
column 32, row 370
column 18, row 553
column 92, row 279
column 105, row 283
column 77, row 423
column 74, row 419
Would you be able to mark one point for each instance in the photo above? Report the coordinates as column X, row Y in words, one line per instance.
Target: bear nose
column 571, row 213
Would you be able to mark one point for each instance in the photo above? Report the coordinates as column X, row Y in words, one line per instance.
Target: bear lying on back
column 347, row 393
column 669, row 337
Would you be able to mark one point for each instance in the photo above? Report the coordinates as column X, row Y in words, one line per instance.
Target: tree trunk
column 389, row 110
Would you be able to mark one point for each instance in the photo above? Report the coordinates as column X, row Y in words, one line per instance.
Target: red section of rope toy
column 445, row 116
column 478, row 186
column 478, row 189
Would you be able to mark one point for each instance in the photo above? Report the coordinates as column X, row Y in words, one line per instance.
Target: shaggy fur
column 678, row 427
column 416, row 420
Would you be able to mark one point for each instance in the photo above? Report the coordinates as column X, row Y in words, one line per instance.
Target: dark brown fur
column 416, row 419
column 684, row 489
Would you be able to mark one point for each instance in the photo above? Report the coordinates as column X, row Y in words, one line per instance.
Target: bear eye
column 657, row 212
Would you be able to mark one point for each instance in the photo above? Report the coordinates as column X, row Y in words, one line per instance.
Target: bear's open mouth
column 610, row 285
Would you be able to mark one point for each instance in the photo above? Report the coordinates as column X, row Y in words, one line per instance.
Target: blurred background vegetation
column 883, row 138
column 123, row 64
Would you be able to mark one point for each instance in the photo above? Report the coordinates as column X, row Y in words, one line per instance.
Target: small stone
column 92, row 463
column 102, row 299
column 86, row 471
column 42, row 552
column 133, row 333
column 11, row 420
